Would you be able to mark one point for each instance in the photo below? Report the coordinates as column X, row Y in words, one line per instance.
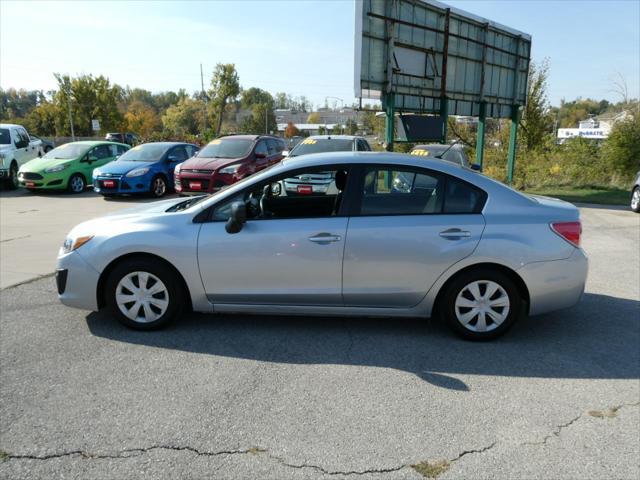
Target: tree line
column 225, row 107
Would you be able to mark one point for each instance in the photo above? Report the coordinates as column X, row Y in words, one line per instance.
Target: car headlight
column 71, row 244
column 231, row 169
column 57, row 168
column 137, row 172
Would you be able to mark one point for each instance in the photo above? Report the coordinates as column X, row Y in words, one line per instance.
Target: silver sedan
column 402, row 236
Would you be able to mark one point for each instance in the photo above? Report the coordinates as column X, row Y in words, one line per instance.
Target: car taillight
column 570, row 231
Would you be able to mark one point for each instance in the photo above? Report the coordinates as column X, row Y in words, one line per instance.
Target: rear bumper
column 557, row 284
column 79, row 288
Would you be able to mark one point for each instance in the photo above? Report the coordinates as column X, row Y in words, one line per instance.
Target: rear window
column 318, row 145
column 227, row 148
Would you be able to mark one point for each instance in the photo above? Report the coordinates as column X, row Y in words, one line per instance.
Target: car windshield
column 150, row 152
column 317, row 145
column 226, row 148
column 68, row 151
column 5, row 136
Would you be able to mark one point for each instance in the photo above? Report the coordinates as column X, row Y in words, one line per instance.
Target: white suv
column 16, row 149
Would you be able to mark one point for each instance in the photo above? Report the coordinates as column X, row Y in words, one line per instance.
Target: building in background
column 594, row 128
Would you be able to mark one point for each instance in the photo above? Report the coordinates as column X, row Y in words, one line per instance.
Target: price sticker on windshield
column 309, row 141
column 420, row 152
column 216, row 142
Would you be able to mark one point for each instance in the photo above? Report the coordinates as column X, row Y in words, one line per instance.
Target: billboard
column 422, row 51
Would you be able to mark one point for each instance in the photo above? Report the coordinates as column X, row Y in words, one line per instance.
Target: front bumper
column 80, row 285
column 556, row 284
column 193, row 183
column 121, row 184
column 34, row 180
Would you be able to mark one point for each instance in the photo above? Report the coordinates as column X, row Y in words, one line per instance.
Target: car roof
column 95, row 142
column 167, row 144
column 10, row 125
column 336, row 137
column 455, row 146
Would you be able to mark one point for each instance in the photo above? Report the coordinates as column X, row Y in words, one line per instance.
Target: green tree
column 313, row 118
column 621, row 150
column 90, row 98
column 351, row 127
column 225, row 86
column 183, row 118
column 536, row 121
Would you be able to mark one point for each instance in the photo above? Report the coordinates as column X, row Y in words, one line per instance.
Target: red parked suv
column 226, row 160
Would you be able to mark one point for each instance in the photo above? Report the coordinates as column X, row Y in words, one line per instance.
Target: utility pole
column 73, row 135
column 204, row 99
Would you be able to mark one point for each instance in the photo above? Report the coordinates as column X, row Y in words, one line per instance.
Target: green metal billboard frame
column 421, row 56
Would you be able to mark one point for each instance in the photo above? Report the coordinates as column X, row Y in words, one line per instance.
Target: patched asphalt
column 283, row 397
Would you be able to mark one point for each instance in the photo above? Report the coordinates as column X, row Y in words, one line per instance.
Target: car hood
column 120, row 167
column 126, row 219
column 209, row 163
column 39, row 164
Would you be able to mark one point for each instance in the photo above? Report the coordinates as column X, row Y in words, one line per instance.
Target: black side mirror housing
column 238, row 217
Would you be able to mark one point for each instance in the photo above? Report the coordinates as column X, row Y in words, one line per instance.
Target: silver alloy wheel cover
column 159, row 187
column 144, row 303
column 635, row 198
column 483, row 312
column 77, row 184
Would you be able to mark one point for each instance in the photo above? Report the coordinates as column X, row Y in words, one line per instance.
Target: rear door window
column 462, row 197
column 261, row 147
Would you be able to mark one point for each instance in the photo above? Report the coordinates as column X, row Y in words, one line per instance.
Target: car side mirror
column 238, row 217
column 476, row 167
column 261, row 155
column 285, row 153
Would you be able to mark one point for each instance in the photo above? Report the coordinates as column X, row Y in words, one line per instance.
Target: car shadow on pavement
column 597, row 339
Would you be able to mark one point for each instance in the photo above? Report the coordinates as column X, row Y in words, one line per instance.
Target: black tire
column 460, row 283
column 174, row 292
column 12, row 180
column 74, row 183
column 159, row 186
column 635, row 200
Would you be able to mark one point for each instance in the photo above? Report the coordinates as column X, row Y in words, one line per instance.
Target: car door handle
column 454, row 234
column 325, row 238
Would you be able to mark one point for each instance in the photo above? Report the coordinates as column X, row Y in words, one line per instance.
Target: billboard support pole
column 444, row 113
column 389, row 105
column 480, row 142
column 513, row 137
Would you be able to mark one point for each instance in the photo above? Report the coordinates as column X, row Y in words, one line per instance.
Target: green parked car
column 69, row 166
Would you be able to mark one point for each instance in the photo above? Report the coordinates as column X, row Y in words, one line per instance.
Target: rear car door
column 408, row 226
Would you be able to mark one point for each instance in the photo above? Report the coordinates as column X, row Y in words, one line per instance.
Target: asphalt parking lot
column 282, row 397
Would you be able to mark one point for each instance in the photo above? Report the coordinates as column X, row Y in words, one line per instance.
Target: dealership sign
column 595, row 133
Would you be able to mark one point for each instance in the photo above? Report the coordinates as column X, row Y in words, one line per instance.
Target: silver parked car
column 442, row 239
column 451, row 153
column 635, row 195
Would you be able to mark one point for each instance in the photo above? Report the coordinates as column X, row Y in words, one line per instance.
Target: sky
column 300, row 47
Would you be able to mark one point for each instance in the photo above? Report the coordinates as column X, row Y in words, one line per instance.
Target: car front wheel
column 158, row 187
column 481, row 304
column 143, row 295
column 77, row 183
column 635, row 200
column 12, row 181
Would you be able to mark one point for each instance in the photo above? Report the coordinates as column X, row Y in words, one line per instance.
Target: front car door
column 289, row 251
column 261, row 156
column 409, row 226
column 21, row 145
column 175, row 156
column 96, row 157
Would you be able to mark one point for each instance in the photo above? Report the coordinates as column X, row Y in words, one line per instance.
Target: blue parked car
column 147, row 168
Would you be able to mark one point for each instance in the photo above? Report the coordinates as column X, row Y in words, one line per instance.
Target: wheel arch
column 512, row 274
column 100, row 293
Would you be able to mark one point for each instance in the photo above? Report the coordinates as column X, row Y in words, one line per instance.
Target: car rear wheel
column 635, row 200
column 481, row 304
column 143, row 295
column 77, row 183
column 158, row 186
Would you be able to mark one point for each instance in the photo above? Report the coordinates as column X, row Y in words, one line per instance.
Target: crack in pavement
column 15, row 238
column 556, row 432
